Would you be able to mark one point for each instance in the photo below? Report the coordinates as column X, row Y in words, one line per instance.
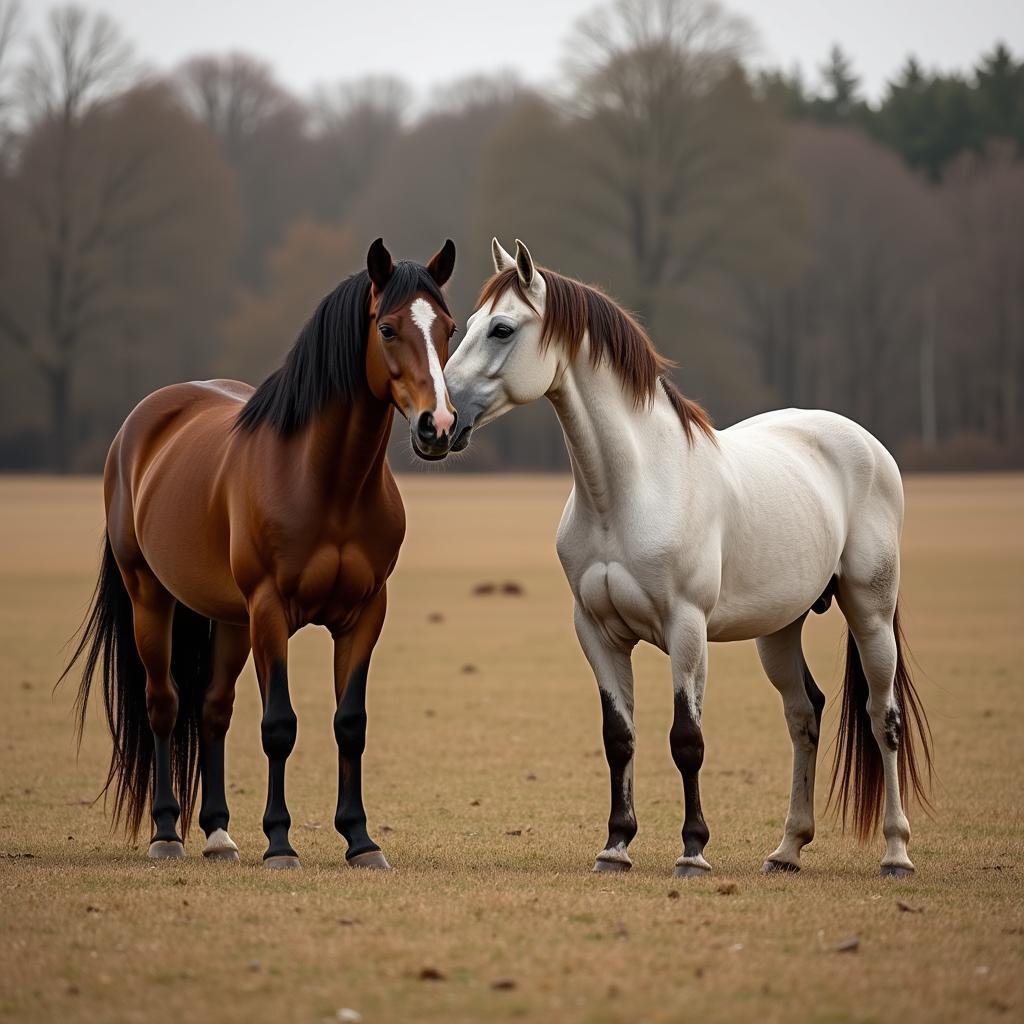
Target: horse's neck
column 611, row 443
column 345, row 447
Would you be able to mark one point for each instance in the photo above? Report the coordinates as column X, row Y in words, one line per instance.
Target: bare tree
column 114, row 195
column 10, row 23
column 235, row 95
column 82, row 61
column 676, row 150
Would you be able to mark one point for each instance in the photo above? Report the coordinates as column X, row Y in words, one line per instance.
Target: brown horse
column 234, row 518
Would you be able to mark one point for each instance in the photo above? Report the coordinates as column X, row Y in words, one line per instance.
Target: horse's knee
column 687, row 743
column 618, row 734
column 350, row 730
column 217, row 710
column 161, row 706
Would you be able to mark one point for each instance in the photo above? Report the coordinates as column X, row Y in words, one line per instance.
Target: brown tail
column 858, row 781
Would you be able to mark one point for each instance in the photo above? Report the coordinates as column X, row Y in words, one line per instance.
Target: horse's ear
column 524, row 264
column 379, row 264
column 502, row 260
column 442, row 263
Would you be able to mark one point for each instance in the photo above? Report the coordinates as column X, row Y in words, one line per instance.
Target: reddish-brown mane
column 573, row 309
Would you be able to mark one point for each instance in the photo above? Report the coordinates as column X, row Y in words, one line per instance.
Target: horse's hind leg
column 867, row 596
column 783, row 661
column 231, row 647
column 153, row 613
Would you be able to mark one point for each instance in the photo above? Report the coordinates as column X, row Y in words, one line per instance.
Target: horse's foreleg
column 783, row 661
column 153, row 616
column 613, row 669
column 688, row 650
column 269, row 633
column 231, row 647
column 352, row 650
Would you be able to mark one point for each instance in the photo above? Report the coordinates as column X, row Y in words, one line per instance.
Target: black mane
column 327, row 361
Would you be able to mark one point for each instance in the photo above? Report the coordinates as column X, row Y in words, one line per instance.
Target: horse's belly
column 185, row 540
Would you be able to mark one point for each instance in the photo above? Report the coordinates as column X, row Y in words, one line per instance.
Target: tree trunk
column 61, row 439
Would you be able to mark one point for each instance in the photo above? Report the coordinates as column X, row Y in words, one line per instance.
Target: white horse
column 678, row 534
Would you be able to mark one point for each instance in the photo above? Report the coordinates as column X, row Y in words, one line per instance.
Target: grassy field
column 486, row 786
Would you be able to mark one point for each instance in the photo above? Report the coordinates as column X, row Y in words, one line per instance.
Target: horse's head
column 410, row 328
column 505, row 359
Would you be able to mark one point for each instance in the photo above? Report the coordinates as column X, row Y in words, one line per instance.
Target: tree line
column 785, row 243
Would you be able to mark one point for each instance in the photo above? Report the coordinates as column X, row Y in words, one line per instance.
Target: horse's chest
column 345, row 572
column 617, row 583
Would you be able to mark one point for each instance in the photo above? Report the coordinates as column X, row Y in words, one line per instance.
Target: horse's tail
column 858, row 779
column 106, row 639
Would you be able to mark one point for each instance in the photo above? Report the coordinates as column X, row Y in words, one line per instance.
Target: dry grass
column 493, row 791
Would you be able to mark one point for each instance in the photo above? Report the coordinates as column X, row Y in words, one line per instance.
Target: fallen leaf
column 349, row 1016
column 253, row 965
column 503, row 984
column 435, row 617
column 514, row 832
column 469, row 669
column 483, row 589
column 431, row 974
column 908, row 909
column 512, row 589
column 850, row 945
column 474, row 803
column 530, row 777
column 673, row 894
column 382, row 827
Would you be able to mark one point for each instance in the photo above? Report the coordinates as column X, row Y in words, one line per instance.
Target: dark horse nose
column 426, row 428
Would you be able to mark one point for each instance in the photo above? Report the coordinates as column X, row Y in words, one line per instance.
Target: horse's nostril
column 426, row 431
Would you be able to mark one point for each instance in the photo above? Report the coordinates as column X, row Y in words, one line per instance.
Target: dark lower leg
column 619, row 746
column 350, row 732
column 279, row 728
column 165, row 807
column 213, row 813
column 687, row 744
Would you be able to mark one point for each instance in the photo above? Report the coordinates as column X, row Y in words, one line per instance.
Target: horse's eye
column 502, row 331
column 386, row 332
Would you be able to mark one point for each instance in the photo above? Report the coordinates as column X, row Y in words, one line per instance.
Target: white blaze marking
column 423, row 316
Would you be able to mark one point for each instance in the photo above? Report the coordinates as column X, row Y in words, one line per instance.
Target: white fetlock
column 693, row 863
column 219, row 843
column 615, row 855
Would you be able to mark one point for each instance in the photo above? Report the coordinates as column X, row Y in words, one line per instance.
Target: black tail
column 107, row 640
column 858, row 779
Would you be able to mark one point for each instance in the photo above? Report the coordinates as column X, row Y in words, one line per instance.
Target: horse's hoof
column 611, row 867
column 287, row 862
column 166, row 849
column 231, row 855
column 372, row 860
column 896, row 871
column 220, row 846
column 691, row 871
column 774, row 867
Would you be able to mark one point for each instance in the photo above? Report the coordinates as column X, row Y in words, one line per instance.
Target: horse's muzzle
column 426, row 441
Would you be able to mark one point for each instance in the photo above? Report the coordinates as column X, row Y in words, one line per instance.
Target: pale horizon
column 317, row 42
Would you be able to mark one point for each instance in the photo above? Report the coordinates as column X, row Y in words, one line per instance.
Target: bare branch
column 81, row 61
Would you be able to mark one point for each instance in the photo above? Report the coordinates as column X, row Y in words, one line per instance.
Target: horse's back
column 821, row 445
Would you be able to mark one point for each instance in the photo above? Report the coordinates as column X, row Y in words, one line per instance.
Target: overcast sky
column 428, row 42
